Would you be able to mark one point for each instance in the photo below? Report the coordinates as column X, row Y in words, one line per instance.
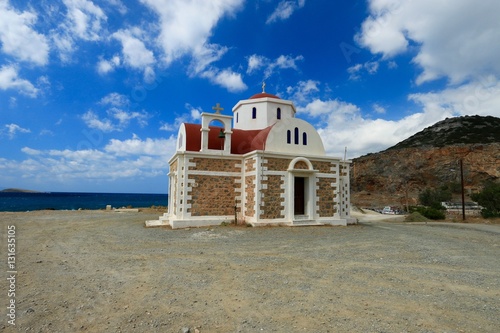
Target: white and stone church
column 261, row 166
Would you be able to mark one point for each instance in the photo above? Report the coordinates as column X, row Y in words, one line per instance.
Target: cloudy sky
column 92, row 91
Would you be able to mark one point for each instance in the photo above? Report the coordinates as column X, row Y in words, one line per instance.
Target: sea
column 21, row 202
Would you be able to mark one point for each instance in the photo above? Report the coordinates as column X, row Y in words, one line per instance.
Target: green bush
column 433, row 198
column 489, row 199
column 430, row 212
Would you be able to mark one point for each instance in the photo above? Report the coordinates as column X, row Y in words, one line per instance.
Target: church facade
column 260, row 166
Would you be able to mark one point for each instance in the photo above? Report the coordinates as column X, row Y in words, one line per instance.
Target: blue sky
column 92, row 92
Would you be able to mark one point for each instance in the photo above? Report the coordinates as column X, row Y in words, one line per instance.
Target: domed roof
column 264, row 94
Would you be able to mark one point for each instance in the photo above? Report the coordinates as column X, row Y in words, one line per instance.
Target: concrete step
column 305, row 223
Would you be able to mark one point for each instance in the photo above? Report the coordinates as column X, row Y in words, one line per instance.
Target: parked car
column 389, row 210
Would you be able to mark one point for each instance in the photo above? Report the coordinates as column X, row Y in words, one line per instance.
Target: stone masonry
column 272, row 203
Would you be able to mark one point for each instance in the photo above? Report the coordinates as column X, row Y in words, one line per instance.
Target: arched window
column 254, row 113
column 296, row 135
column 278, row 113
column 304, row 139
column 288, row 136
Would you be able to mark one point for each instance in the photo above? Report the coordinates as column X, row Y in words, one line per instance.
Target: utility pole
column 462, row 183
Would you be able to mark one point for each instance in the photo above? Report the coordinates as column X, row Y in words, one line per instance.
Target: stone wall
column 250, row 165
column 324, row 167
column 272, row 202
column 326, row 195
column 277, row 164
column 212, row 195
column 214, row 164
column 173, row 166
column 250, row 196
column 301, row 165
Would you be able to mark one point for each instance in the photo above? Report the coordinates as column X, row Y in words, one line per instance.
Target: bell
column 221, row 134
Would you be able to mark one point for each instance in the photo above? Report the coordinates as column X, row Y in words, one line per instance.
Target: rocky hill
column 429, row 159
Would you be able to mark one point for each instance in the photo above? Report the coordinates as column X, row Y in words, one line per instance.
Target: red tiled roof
column 242, row 141
column 263, row 94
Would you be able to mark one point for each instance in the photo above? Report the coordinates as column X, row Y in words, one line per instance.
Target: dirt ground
column 99, row 271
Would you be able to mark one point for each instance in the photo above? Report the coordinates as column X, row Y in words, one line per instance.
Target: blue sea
column 20, row 202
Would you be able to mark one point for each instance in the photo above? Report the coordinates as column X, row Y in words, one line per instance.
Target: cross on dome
column 264, row 87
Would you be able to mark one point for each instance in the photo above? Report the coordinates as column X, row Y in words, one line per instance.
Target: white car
column 388, row 210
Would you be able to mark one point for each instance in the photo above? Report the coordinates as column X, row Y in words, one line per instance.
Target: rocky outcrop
column 397, row 175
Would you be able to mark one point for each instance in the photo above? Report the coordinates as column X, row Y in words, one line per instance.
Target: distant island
column 18, row 190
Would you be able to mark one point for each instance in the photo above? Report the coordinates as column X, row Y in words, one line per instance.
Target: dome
column 264, row 94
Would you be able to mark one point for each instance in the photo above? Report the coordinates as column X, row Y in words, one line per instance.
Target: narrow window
column 288, row 136
column 296, row 135
column 278, row 113
column 237, row 116
column 304, row 139
column 254, row 113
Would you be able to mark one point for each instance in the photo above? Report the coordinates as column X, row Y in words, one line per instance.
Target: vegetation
column 416, row 217
column 429, row 212
column 433, row 198
column 431, row 202
column 454, row 131
column 489, row 199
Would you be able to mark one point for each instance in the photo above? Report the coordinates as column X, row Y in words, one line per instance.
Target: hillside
column 429, row 159
column 17, row 190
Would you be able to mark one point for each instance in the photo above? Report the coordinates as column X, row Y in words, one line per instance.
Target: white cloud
column 128, row 159
column 136, row 146
column 118, row 116
column 84, row 21
column 204, row 55
column 355, row 72
column 124, row 117
column 92, row 120
column 457, row 40
column 193, row 114
column 118, row 4
column 342, row 124
column 149, row 75
column 12, row 130
column 379, row 108
column 255, row 62
column 31, row 151
column 115, row 99
column 135, row 53
column 287, row 61
column 303, row 90
column 225, row 78
column 284, row 10
column 106, row 66
column 9, row 79
column 187, row 25
column 19, row 39
column 481, row 97
column 117, row 119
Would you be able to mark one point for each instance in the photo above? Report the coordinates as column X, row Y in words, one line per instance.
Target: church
column 261, row 166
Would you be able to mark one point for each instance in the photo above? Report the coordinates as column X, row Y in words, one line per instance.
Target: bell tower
column 224, row 133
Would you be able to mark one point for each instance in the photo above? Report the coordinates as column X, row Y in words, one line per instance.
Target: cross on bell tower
column 217, row 108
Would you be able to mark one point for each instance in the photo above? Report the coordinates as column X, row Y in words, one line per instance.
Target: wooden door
column 299, row 197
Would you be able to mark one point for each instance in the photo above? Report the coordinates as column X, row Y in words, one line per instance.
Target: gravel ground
column 99, row 271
